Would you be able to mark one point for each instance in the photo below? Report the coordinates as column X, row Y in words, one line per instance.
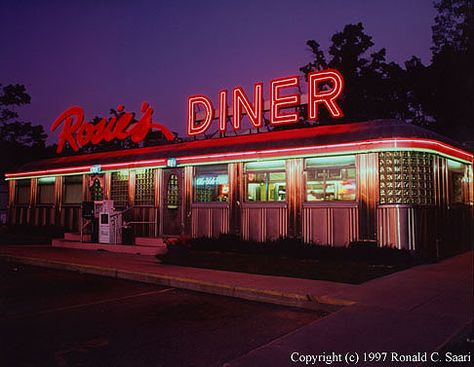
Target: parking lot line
column 109, row 300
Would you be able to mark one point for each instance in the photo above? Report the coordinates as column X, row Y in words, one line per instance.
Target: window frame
column 305, row 183
column 194, row 186
column 28, row 201
column 64, row 184
column 452, row 172
column 38, row 197
column 267, row 172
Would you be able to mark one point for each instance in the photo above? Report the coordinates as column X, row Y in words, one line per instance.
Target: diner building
column 385, row 181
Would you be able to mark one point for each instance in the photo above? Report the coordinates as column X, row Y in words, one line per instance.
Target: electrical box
column 110, row 223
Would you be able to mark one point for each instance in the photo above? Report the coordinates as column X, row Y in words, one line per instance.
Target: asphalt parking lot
column 58, row 318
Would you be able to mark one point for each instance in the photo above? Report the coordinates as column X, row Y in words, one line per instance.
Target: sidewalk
column 309, row 294
column 416, row 310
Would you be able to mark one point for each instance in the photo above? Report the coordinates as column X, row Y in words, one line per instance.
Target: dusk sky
column 98, row 54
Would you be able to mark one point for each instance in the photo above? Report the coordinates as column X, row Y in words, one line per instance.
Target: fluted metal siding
column 264, row 222
column 334, row 225
column 396, row 226
column 209, row 220
column 294, row 195
column 367, row 194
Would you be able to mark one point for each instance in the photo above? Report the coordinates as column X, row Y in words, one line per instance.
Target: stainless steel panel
column 396, row 226
column 294, row 195
column 367, row 193
column 132, row 179
column 107, row 185
column 235, row 197
column 188, row 197
column 334, row 224
column 210, row 220
column 264, row 222
column 158, row 200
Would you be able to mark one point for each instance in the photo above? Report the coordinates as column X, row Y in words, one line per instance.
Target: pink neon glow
column 374, row 145
column 222, row 110
column 204, row 101
column 327, row 97
column 240, row 101
column 279, row 102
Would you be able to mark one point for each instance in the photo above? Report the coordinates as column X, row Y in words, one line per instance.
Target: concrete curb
column 304, row 301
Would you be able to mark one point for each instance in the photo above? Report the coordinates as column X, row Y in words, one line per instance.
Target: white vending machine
column 110, row 224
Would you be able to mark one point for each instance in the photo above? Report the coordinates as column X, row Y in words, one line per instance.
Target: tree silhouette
column 450, row 83
column 374, row 88
column 18, row 139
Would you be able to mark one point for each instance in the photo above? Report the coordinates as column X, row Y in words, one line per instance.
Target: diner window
column 22, row 192
column 211, row 184
column 456, row 172
column 119, row 188
column 72, row 189
column 46, row 190
column 265, row 181
column 331, row 178
column 145, row 187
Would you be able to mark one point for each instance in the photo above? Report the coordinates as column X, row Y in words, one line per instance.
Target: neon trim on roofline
column 376, row 145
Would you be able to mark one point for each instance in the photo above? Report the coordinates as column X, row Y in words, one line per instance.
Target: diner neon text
column 324, row 88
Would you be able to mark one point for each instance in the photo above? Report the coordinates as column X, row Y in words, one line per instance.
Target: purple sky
column 98, row 54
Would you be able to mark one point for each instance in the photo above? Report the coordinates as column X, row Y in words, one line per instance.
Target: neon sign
column 78, row 133
column 198, row 123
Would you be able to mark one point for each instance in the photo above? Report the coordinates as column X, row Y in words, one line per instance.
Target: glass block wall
column 145, row 187
column 406, row 178
column 119, row 189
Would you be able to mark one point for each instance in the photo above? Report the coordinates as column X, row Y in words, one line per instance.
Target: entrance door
column 172, row 200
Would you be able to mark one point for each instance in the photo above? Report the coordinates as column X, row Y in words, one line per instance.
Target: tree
column 374, row 88
column 18, row 139
column 449, row 88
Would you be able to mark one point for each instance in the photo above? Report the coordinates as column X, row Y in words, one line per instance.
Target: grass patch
column 355, row 264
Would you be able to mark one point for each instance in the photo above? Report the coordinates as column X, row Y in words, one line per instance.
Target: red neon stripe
column 339, row 148
column 378, row 144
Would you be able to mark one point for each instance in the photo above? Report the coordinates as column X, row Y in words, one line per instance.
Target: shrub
column 360, row 251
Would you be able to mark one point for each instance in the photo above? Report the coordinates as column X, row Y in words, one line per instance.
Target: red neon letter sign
column 239, row 100
column 78, row 133
column 222, row 110
column 327, row 97
column 279, row 102
column 206, row 122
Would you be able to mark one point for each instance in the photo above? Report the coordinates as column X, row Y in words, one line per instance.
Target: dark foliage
column 365, row 252
column 19, row 139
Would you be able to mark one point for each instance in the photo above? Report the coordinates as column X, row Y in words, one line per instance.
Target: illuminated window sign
column 324, row 87
column 211, row 184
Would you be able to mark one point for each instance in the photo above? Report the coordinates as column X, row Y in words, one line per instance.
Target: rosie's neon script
column 78, row 133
